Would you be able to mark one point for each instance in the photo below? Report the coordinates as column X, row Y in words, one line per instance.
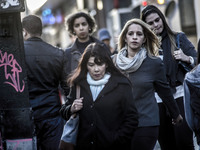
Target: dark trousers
column 145, row 138
column 49, row 132
column 174, row 137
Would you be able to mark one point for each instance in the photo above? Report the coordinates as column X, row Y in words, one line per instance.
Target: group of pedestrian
column 128, row 99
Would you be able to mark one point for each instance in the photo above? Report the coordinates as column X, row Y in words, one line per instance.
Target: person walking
column 192, row 98
column 177, row 52
column 104, row 36
column 45, row 72
column 107, row 114
column 81, row 25
column 137, row 59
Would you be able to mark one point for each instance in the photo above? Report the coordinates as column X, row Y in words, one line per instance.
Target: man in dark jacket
column 81, row 25
column 44, row 64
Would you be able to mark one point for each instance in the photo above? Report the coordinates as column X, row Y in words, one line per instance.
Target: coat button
column 92, row 142
column 92, row 124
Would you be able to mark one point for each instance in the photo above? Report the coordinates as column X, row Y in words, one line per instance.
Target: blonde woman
column 138, row 47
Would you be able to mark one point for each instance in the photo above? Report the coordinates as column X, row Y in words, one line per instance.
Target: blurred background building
column 182, row 15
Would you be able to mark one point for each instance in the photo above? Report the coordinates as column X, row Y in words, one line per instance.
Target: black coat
column 109, row 122
column 45, row 71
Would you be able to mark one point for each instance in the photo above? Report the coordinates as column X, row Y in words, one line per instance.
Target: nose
column 96, row 68
column 134, row 35
column 81, row 27
column 155, row 24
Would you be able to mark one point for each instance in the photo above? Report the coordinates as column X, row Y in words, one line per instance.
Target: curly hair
column 71, row 18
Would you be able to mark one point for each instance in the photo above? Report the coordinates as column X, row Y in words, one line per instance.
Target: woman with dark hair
column 82, row 26
column 176, row 51
column 106, row 108
column 137, row 59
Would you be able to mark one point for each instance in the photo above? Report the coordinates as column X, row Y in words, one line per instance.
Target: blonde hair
column 152, row 43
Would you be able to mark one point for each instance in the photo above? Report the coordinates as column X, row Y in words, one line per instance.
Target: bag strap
column 178, row 40
column 78, row 91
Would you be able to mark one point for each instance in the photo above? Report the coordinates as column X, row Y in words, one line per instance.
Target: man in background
column 44, row 64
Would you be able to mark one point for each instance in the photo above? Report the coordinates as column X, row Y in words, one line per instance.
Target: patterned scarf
column 130, row 65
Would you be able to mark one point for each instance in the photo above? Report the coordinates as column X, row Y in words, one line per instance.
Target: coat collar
column 110, row 85
column 34, row 39
column 74, row 46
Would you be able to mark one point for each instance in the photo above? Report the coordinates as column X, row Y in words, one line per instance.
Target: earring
column 74, row 33
column 90, row 30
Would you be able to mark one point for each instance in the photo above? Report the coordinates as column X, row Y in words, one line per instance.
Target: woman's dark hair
column 72, row 17
column 149, row 9
column 101, row 54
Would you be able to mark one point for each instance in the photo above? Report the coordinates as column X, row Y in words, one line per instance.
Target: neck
column 131, row 53
column 83, row 40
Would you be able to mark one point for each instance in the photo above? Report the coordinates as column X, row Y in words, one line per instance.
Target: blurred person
column 192, row 98
column 104, row 36
column 72, row 40
column 107, row 114
column 137, row 59
column 172, row 137
column 81, row 25
column 45, row 71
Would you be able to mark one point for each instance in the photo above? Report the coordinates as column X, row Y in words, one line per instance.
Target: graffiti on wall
column 12, row 71
column 7, row 3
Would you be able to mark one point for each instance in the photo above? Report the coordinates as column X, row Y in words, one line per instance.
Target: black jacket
column 174, row 72
column 109, row 122
column 73, row 55
column 146, row 80
column 44, row 65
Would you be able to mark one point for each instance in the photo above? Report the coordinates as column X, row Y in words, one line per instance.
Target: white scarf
column 130, row 65
column 97, row 86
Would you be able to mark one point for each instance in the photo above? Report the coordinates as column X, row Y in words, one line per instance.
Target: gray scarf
column 130, row 65
column 194, row 76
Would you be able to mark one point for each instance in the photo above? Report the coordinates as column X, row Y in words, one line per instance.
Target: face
column 107, row 42
column 97, row 72
column 81, row 28
column 134, row 37
column 155, row 22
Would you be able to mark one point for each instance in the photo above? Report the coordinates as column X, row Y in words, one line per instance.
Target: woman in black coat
column 106, row 109
column 175, row 49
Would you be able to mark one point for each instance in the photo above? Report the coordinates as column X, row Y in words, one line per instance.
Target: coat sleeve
column 187, row 47
column 65, row 108
column 130, row 121
column 163, row 89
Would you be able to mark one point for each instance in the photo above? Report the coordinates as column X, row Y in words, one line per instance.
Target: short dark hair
column 70, row 21
column 32, row 24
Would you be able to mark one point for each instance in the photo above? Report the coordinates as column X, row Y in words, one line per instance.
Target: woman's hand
column 178, row 120
column 77, row 105
column 179, row 55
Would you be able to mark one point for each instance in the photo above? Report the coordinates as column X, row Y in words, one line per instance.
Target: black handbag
column 70, row 131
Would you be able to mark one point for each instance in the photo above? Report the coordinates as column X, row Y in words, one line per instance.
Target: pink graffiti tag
column 8, row 61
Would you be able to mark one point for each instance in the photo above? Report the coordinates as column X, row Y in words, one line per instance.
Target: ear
column 24, row 32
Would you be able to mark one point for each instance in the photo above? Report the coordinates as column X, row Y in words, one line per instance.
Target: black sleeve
column 65, row 108
column 163, row 89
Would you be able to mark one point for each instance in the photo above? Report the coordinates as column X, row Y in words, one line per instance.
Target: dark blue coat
column 44, row 64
